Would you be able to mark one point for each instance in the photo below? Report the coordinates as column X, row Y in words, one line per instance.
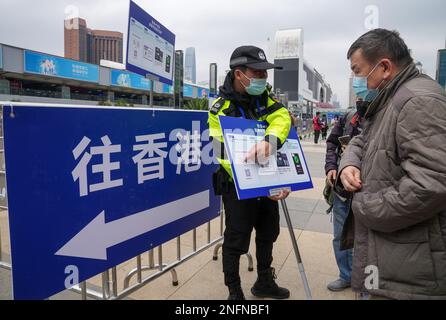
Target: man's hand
column 259, row 153
column 331, row 177
column 351, row 179
column 281, row 196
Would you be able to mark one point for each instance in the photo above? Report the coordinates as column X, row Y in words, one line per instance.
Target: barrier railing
column 109, row 278
column 108, row 289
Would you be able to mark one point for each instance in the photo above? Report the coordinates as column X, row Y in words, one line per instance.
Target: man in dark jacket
column 397, row 170
column 347, row 126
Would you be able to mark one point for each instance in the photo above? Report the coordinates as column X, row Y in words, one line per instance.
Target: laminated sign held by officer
column 245, row 93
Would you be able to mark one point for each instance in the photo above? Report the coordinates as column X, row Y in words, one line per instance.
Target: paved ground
column 202, row 278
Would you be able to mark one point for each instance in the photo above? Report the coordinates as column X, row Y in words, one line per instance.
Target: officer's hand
column 259, row 153
column 331, row 177
column 281, row 196
column 351, row 179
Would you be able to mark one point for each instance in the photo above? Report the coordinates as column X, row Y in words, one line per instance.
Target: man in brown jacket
column 397, row 171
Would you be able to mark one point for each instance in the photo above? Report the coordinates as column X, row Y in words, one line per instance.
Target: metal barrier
column 110, row 283
column 109, row 278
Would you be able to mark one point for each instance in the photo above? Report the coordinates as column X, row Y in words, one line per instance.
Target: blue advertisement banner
column 129, row 80
column 203, row 93
column 167, row 89
column 90, row 188
column 47, row 65
column 188, row 91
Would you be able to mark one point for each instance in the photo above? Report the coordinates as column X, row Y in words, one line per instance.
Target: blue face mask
column 360, row 86
column 256, row 86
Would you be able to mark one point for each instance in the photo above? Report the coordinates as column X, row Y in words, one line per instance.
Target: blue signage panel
column 129, row 80
column 286, row 169
column 58, row 67
column 90, row 188
column 150, row 46
column 188, row 91
column 167, row 89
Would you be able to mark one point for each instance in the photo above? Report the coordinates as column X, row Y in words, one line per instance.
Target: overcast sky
column 216, row 27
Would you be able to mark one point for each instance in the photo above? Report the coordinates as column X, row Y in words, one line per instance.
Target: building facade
column 303, row 86
column 31, row 76
column 86, row 45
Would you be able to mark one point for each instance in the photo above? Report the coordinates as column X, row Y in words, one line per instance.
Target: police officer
column 246, row 94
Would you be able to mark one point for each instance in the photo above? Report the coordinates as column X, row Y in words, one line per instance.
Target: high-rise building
column 75, row 35
column 105, row 45
column 441, row 68
column 190, row 66
column 303, row 86
column 91, row 46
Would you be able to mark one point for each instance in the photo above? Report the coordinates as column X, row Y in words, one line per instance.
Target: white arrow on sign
column 93, row 240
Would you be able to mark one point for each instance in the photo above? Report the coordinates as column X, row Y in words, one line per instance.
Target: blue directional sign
column 286, row 169
column 90, row 188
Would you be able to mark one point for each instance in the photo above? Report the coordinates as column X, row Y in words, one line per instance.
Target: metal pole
column 151, row 93
column 194, row 240
column 221, row 216
column 296, row 249
column 138, row 265
column 84, row 290
column 160, row 257
column 179, row 248
column 209, row 232
column 115, row 282
column 105, row 285
column 151, row 259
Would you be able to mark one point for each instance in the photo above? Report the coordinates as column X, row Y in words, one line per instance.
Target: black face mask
column 361, row 107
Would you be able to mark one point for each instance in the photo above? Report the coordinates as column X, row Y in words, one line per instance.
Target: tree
column 105, row 103
column 197, row 104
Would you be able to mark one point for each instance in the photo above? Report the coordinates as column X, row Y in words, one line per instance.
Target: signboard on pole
column 150, row 46
column 90, row 188
column 287, row 168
